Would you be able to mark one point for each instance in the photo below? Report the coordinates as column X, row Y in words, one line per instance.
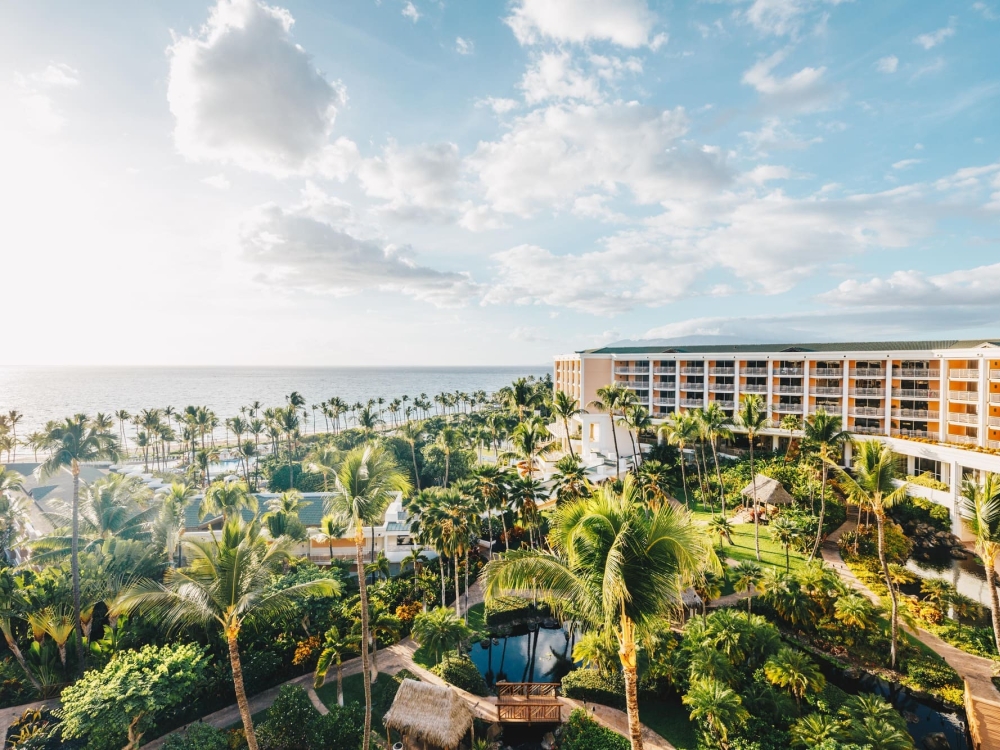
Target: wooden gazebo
column 429, row 717
column 769, row 492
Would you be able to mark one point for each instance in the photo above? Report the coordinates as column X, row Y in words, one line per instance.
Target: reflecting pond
column 539, row 655
column 968, row 576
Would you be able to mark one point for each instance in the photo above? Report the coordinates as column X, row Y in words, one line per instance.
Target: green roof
column 310, row 514
column 850, row 346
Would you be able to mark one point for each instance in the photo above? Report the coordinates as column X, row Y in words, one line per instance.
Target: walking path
column 976, row 671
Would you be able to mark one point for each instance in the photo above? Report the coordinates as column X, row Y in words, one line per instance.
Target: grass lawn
column 477, row 617
column 383, row 692
column 670, row 720
column 742, row 548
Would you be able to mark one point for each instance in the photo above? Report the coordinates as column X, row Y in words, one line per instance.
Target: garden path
column 976, row 671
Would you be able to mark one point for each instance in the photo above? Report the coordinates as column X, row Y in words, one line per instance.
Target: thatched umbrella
column 769, row 491
column 434, row 715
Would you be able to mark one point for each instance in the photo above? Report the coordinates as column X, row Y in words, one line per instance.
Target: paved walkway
column 977, row 671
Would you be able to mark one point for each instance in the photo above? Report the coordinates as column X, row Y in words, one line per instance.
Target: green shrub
column 39, row 729
column 462, row 673
column 198, row 737
column 507, row 610
column 594, row 687
column 293, row 723
column 932, row 674
column 921, row 510
column 14, row 686
column 583, row 733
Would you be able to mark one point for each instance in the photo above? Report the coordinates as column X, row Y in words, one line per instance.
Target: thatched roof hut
column 432, row 715
column 769, row 491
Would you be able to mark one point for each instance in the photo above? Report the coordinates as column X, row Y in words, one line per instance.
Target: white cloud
column 784, row 17
column 595, row 207
column 986, row 11
column 934, row 38
column 529, row 335
column 550, row 155
column 410, row 11
column 611, row 68
column 803, row 91
column 33, row 93
column 217, row 181
column 464, row 46
column 310, row 248
column 764, row 173
column 553, row 75
column 934, row 66
column 499, row 106
column 243, row 92
column 627, row 23
column 974, row 286
column 887, row 64
column 56, row 75
column 774, row 135
column 906, row 163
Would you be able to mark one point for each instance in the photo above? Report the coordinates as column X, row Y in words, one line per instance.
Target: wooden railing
column 530, row 713
column 528, row 702
column 527, row 690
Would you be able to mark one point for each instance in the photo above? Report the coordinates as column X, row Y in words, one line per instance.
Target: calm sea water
column 44, row 393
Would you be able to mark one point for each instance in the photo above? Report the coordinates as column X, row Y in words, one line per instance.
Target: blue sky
column 421, row 182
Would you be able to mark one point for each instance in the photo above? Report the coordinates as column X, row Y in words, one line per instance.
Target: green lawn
column 383, row 692
column 477, row 617
column 669, row 719
column 742, row 548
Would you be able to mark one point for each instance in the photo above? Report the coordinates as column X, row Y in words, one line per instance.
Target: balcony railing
column 865, row 430
column 663, row 402
column 993, row 421
column 921, row 393
column 787, row 408
column 827, row 372
column 692, row 402
column 867, row 391
column 824, row 390
column 794, row 372
column 722, row 371
column 993, row 445
column 915, row 372
column 724, row 404
column 994, row 374
column 912, row 433
column 754, row 388
column 722, row 387
column 664, row 370
column 692, row 371
column 995, row 398
column 631, row 371
column 969, row 396
column 960, row 418
column 753, row 371
column 866, row 373
column 868, row 411
column 918, row 413
column 794, row 390
column 963, row 374
column 962, row 439
column 664, row 386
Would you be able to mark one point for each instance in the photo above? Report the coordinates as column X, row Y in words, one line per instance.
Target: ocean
column 44, row 393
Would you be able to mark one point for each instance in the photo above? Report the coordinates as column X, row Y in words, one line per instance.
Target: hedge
column 583, row 733
column 462, row 673
column 594, row 687
column 508, row 610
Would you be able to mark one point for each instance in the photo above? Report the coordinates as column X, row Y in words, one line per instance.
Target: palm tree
column 367, row 479
column 448, row 439
column 123, row 416
column 637, row 420
column 15, row 605
column 784, row 531
column 411, row 432
column 287, row 421
column 613, row 399
column 982, row 514
column 814, row 730
column 790, row 422
column 570, row 480
column 528, row 442
column 335, row 647
column 519, row 396
column 227, row 499
column 229, row 583
column 440, row 630
column 824, row 436
column 565, row 407
column 70, row 443
column 617, row 565
column 794, row 670
column 331, row 527
column 715, row 424
column 874, row 488
column 752, row 417
column 718, row 707
column 169, row 524
column 747, row 575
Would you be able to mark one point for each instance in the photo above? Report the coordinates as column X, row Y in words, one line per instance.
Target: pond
column 538, row 655
column 968, row 576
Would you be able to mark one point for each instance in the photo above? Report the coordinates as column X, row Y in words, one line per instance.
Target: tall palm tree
column 613, row 399
column 229, row 583
column 784, row 531
column 716, row 424
column 790, row 422
column 872, row 487
column 565, row 407
column 825, row 437
column 169, row 524
column 794, row 670
column 982, row 514
column 529, row 441
column 681, row 430
column 287, row 421
column 717, row 706
column 367, row 479
column 449, row 439
column 123, row 416
column 13, row 418
column 335, row 647
column 637, row 420
column 747, row 575
column 331, row 527
column 752, row 417
column 618, row 565
column 15, row 604
column 70, row 443
column 411, row 432
column 227, row 499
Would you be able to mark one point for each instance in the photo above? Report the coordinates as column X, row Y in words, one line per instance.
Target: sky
column 415, row 182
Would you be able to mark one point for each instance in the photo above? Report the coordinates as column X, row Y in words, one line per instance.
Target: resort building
column 936, row 403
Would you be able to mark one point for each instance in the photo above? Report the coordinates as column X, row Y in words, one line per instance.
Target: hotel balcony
column 664, row 370
column 913, row 433
column 962, row 418
column 692, row 371
column 995, row 398
column 827, row 372
column 669, row 386
column 756, row 388
column 993, row 421
column 967, row 396
column 791, row 390
column 829, row 406
column 722, row 371
column 915, row 393
column 963, row 374
column 993, row 445
column 867, row 391
column 721, row 387
column 867, row 411
column 865, row 373
column 994, row 374
column 753, row 371
column 865, row 430
column 787, row 408
column 795, row 372
column 919, row 372
column 631, row 371
column 692, row 403
column 962, row 439
column 827, row 391
column 663, row 402
column 916, row 413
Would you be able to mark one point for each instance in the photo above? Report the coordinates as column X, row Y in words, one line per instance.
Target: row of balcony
column 962, row 373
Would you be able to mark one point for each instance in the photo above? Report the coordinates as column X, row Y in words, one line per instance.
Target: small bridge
column 528, row 703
